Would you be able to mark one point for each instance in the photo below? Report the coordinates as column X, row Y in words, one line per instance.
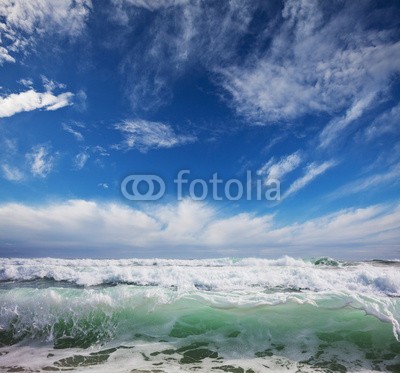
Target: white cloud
column 40, row 161
column 386, row 123
column 69, row 128
column 185, row 220
column 81, row 100
column 12, row 173
column 10, row 146
column 122, row 5
column 312, row 171
column 103, row 185
column 144, row 135
column 369, row 182
column 100, row 151
column 315, row 63
column 26, row 82
column 32, row 100
column 277, row 170
column 338, row 125
column 80, row 160
column 197, row 227
column 280, row 75
column 51, row 85
column 176, row 38
column 23, row 21
column 5, row 56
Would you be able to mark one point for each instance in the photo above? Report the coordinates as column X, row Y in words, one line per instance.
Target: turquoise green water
column 218, row 322
column 196, row 329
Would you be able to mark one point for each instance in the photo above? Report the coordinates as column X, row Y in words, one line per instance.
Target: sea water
column 214, row 315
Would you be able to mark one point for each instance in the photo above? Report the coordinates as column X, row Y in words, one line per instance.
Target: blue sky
column 302, row 91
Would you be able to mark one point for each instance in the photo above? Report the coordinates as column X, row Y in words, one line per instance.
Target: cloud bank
column 193, row 228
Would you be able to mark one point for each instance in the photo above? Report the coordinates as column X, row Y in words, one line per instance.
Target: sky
column 302, row 95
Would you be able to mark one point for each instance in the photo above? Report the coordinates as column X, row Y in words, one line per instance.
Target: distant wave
column 323, row 274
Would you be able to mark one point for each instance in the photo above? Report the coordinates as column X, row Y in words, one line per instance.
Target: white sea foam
column 217, row 274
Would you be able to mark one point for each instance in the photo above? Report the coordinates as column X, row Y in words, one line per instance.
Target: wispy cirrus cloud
column 11, row 173
column 9, row 146
column 10, row 168
column 51, row 85
column 80, row 160
column 72, row 129
column 40, row 161
column 178, row 35
column 280, row 76
column 312, row 171
column 32, row 100
column 99, row 150
column 122, row 8
column 294, row 77
column 26, row 82
column 390, row 176
column 22, row 22
column 144, row 135
column 338, row 125
column 277, row 170
column 198, row 226
column 386, row 123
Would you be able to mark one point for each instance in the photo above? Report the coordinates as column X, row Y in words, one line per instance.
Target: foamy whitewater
column 217, row 315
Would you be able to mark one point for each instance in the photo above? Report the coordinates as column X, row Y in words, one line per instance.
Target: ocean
column 211, row 315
